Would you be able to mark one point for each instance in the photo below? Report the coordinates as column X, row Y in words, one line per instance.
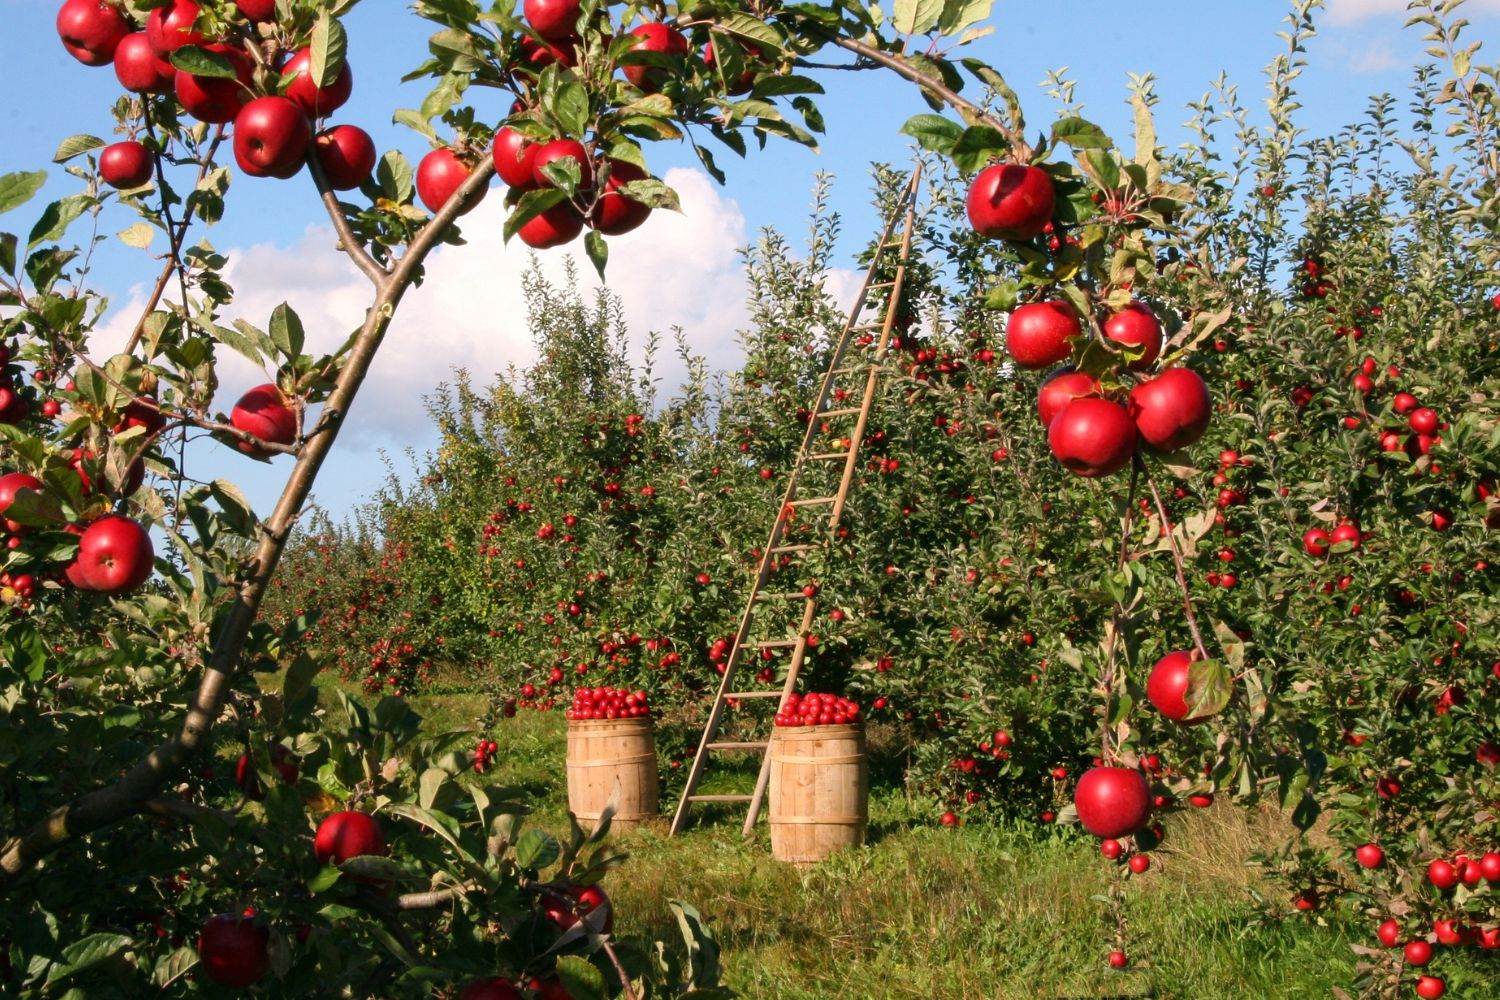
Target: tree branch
column 347, row 240
column 1187, row 600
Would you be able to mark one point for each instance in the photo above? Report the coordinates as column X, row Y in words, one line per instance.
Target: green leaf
column 416, row 121
column 1208, row 690
column 87, row 952
column 286, row 331
column 200, row 62
column 8, row 244
column 439, row 824
column 58, row 217
column 977, row 146
column 569, row 104
column 581, row 979
column 916, row 17
column 598, row 251
column 959, row 14
column 329, row 45
column 395, row 177
column 532, row 204
column 751, row 29
column 139, row 235
column 76, row 145
column 933, row 132
column 537, row 849
column 324, row 880
column 299, row 677
column 1080, row 134
column 17, row 189
column 430, row 784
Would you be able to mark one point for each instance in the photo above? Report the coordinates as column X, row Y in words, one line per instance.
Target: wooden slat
column 761, row 745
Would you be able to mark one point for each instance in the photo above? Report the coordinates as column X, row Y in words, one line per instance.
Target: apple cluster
column 608, row 703
column 815, row 709
column 273, row 113
column 1089, row 432
column 483, row 751
column 1446, row 876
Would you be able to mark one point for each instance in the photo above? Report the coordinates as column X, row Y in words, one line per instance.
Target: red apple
column 1118, row 960
column 1403, row 403
column 491, row 989
column 1315, row 542
column 1010, row 201
column 305, row 93
column 1369, row 855
column 1346, row 533
column 1430, row 987
column 549, row 989
column 440, row 174
column 91, row 30
column 214, row 99
column 347, row 155
column 271, row 136
column 126, row 165
column 345, row 835
column 1418, row 952
column 1388, row 933
column 1423, row 421
column 1136, row 327
column 1172, row 410
column 11, row 484
column 262, row 11
column 1061, row 388
column 232, row 951
column 615, row 214
column 553, row 19
column 1112, row 801
column 1489, row 865
column 264, row 412
column 556, row 226
column 140, row 69
column 171, row 27
column 539, row 55
column 513, row 159
column 1036, row 334
column 661, row 39
column 561, row 149
column 115, row 556
column 1092, row 437
column 1167, row 687
column 1442, row 874
column 249, row 781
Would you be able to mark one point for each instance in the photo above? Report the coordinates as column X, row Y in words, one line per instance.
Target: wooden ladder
column 884, row 276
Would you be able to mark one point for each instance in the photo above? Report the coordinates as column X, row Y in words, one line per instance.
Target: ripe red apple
column 1489, row 865
column 249, row 781
column 213, row 99
column 553, row 19
column 661, row 39
column 1442, row 874
column 345, row 835
column 542, row 54
column 1117, row 960
column 1346, row 533
column 1388, row 933
column 549, row 989
column 115, row 556
column 579, row 901
column 347, row 155
column 1167, row 687
column 1136, row 327
column 1092, row 437
column 1403, row 403
column 171, row 27
column 257, row 10
column 557, row 225
column 1111, row 849
column 1369, row 855
column 140, row 69
column 557, row 150
column 1172, row 410
column 1036, row 334
column 491, row 989
column 614, row 213
column 1061, row 388
column 264, row 412
column 1010, row 201
column 513, row 155
column 1315, row 542
column 440, row 174
column 126, row 165
column 11, row 484
column 1431, row 987
column 1423, row 421
column 91, row 30
column 1139, row 863
column 232, row 951
column 271, row 136
column 305, row 93
column 1418, row 952
column 1112, row 801
column 949, row 818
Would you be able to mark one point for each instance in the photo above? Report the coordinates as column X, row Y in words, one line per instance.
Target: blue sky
column 676, row 271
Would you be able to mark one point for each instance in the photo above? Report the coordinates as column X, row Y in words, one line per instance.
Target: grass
column 982, row 911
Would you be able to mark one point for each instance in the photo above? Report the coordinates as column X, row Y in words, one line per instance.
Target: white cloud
column 1376, row 58
column 1345, row 12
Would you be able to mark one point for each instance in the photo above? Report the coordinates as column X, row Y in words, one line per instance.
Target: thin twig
column 1187, row 599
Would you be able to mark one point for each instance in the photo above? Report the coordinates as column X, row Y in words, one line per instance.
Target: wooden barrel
column 820, row 791
column 603, row 753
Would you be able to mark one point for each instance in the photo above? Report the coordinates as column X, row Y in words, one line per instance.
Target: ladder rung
column 811, row 501
column 778, row 549
column 720, row 798
column 824, row 456
column 846, row 411
column 754, row 694
column 855, row 368
column 790, row 595
column 737, row 746
column 880, row 284
column 778, row 643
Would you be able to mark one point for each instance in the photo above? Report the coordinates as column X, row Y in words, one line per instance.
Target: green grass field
column 927, row 912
